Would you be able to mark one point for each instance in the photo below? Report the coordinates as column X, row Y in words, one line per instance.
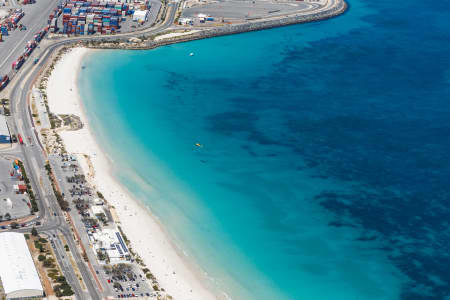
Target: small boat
column 191, row 54
column 199, row 145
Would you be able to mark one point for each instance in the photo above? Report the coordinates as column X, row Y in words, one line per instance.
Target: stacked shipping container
column 4, row 82
column 88, row 17
column 11, row 22
column 31, row 45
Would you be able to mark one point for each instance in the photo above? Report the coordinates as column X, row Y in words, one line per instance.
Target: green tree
column 101, row 255
column 41, row 257
column 48, row 263
column 34, row 231
column 14, row 225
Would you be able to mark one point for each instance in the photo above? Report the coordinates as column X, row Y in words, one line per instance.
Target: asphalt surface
column 57, row 164
column 34, row 160
column 34, row 157
column 32, row 154
column 239, row 9
column 35, row 19
column 19, row 207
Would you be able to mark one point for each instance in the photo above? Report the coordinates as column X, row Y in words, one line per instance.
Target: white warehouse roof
column 17, row 271
column 4, row 131
column 140, row 15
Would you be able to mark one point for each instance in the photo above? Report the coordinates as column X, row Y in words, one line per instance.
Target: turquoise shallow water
column 324, row 165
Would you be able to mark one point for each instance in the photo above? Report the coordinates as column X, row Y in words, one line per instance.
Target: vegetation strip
column 34, row 206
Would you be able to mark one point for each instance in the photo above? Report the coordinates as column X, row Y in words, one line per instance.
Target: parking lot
column 122, row 279
column 35, row 19
column 128, row 281
column 12, row 205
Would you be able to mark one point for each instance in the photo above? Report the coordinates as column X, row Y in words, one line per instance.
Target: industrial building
column 140, row 16
column 18, row 273
column 5, row 137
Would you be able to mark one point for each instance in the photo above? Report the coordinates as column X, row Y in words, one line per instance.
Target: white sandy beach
column 150, row 241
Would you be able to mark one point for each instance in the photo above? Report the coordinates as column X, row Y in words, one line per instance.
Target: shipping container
column 18, row 63
column 4, row 82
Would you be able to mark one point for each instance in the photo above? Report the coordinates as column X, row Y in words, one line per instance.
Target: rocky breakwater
column 143, row 41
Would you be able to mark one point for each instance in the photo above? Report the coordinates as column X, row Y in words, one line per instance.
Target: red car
column 4, row 82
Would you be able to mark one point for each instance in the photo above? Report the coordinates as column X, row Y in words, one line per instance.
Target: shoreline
column 180, row 277
column 147, row 42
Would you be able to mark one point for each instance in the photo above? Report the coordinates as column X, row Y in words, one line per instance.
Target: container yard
column 4, row 82
column 69, row 18
column 11, row 22
column 85, row 17
column 29, row 48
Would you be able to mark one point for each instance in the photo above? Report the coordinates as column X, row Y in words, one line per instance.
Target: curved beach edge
column 175, row 273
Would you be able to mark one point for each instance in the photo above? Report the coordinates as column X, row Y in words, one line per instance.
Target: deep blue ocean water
column 324, row 165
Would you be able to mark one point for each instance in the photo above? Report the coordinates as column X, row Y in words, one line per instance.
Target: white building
column 4, row 131
column 17, row 271
column 112, row 242
column 98, row 201
column 186, row 21
column 114, row 255
column 140, row 15
column 97, row 210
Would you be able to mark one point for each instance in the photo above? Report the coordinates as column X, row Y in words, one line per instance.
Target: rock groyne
column 147, row 41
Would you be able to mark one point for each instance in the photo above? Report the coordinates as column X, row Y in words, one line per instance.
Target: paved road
column 65, row 264
column 35, row 19
column 34, row 160
column 34, row 157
